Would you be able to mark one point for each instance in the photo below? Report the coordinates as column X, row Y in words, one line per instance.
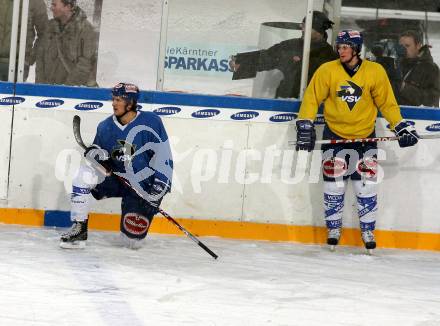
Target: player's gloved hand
column 94, row 153
column 156, row 192
column 407, row 133
column 305, row 135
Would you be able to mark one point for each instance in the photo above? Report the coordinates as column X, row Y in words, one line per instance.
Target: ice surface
column 172, row 281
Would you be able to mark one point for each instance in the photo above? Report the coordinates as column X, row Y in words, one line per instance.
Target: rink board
column 229, row 229
column 233, row 169
column 6, row 110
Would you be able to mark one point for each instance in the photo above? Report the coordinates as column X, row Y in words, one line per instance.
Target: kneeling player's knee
column 134, row 225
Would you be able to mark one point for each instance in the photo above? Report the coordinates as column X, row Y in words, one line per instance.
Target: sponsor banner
column 167, row 110
column 200, row 59
column 245, row 115
column 205, row 113
column 11, row 100
column 163, row 110
column 88, row 106
column 239, row 115
column 49, row 103
column 65, row 104
column 435, row 127
column 283, row 117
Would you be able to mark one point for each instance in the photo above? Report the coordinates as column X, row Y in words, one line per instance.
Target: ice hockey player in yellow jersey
column 352, row 91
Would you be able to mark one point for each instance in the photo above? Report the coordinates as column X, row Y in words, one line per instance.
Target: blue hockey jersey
column 139, row 149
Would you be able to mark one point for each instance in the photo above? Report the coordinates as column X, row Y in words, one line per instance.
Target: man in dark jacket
column 420, row 75
column 287, row 57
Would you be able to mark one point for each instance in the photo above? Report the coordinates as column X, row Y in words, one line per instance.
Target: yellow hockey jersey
column 350, row 103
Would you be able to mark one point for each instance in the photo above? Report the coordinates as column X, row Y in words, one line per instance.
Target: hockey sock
column 334, row 203
column 366, row 194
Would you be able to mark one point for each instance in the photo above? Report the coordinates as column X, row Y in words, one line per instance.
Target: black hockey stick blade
column 77, row 131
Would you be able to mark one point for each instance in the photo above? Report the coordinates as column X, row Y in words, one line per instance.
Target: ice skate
column 333, row 236
column 369, row 241
column 76, row 237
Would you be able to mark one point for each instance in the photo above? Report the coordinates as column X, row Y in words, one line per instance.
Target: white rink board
column 37, row 171
column 409, row 195
column 276, row 197
column 5, row 136
column 40, row 137
column 202, row 188
column 213, row 157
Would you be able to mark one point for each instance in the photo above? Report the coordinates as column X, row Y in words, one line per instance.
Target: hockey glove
column 97, row 155
column 305, row 135
column 407, row 133
column 156, row 193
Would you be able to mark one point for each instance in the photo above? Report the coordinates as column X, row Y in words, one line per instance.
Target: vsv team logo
column 124, row 151
column 350, row 94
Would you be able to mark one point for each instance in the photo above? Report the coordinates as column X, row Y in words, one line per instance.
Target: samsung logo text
column 88, row 106
column 283, row 117
column 205, row 113
column 49, row 103
column 245, row 115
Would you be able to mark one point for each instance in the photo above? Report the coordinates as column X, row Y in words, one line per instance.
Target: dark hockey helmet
column 320, row 22
column 128, row 91
column 351, row 37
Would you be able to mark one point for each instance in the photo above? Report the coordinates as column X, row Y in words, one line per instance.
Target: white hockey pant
column 84, row 180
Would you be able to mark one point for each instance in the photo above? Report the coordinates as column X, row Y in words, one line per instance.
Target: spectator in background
column 287, row 57
column 420, row 84
column 36, row 26
column 5, row 37
column 68, row 51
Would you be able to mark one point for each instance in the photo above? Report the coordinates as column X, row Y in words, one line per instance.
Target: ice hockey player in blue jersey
column 134, row 145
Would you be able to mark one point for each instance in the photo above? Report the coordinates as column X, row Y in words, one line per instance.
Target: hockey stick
column 79, row 140
column 367, row 140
